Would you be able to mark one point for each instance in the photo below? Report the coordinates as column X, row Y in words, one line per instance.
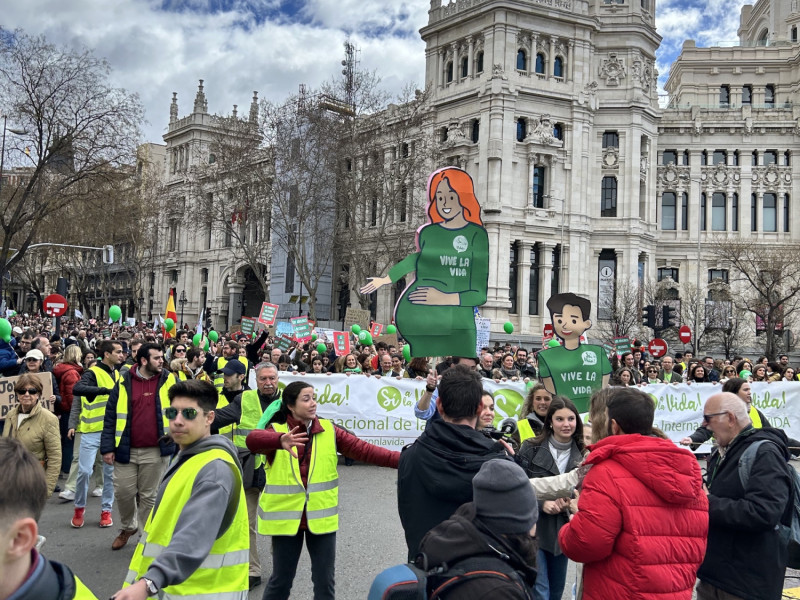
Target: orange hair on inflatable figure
column 460, row 182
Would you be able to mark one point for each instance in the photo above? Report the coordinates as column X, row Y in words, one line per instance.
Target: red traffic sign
column 685, row 334
column 657, row 348
column 55, row 305
column 548, row 329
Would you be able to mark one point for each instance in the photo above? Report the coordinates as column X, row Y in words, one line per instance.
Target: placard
column 301, row 329
column 356, row 316
column 284, row 342
column 483, row 327
column 376, row 329
column 622, row 344
column 8, row 399
column 248, row 325
column 341, row 342
column 269, row 312
column 284, row 327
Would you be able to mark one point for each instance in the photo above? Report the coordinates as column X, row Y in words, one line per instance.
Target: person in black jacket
column 491, row 534
column 745, row 555
column 740, row 387
column 436, row 471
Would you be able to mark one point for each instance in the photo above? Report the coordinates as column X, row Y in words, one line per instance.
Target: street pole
column 700, row 221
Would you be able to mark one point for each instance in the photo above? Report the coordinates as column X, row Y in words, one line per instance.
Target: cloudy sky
column 237, row 46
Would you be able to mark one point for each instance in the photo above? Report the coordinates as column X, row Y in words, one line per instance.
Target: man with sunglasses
column 745, row 557
column 195, row 541
column 134, row 438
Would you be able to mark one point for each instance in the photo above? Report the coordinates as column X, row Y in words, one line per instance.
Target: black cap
column 234, row 367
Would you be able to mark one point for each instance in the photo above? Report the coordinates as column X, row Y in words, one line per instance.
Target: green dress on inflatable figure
column 436, row 311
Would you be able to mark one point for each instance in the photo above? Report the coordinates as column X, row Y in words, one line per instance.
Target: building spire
column 200, row 102
column 254, row 108
column 173, row 108
column 235, row 111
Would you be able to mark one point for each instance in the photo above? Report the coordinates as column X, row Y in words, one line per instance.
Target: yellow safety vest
column 81, row 591
column 221, row 362
column 525, row 430
column 281, row 505
column 122, row 409
column 251, row 415
column 223, row 573
column 222, row 402
column 93, row 413
column 755, row 418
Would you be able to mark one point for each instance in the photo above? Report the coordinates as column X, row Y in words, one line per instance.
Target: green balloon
column 205, row 348
column 391, row 329
column 197, row 339
column 322, row 348
column 5, row 330
column 744, row 374
column 313, row 337
column 356, row 329
column 553, row 343
column 115, row 312
column 407, row 353
column 368, row 340
column 169, row 324
column 362, row 336
column 213, row 335
column 508, row 327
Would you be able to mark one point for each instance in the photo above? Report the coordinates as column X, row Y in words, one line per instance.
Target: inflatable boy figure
column 574, row 370
column 436, row 311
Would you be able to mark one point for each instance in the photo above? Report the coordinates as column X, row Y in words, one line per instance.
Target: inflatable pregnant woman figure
column 436, row 312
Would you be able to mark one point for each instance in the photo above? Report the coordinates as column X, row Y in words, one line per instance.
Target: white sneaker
column 67, row 495
column 97, row 492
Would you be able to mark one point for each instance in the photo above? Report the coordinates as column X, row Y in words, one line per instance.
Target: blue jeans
column 551, row 575
column 90, row 444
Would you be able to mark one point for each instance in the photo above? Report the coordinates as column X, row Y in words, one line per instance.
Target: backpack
column 790, row 534
column 415, row 581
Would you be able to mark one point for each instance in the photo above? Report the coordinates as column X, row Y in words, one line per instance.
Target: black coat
column 464, row 537
column 745, row 556
column 537, row 461
column 435, row 476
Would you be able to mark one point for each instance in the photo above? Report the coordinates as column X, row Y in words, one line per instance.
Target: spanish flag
column 170, row 314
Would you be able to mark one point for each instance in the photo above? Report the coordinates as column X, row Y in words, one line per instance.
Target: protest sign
column 8, row 399
column 376, row 329
column 381, row 410
column 268, row 313
column 356, row 316
column 483, row 327
column 248, row 325
column 284, row 328
column 341, row 342
column 301, row 329
column 284, row 342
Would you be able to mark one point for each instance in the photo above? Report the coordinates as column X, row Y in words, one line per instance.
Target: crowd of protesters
column 98, row 439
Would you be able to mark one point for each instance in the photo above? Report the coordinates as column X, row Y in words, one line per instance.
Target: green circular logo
column 389, row 398
column 506, row 404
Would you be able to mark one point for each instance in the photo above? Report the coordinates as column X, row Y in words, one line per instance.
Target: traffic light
column 108, row 255
column 649, row 316
column 670, row 318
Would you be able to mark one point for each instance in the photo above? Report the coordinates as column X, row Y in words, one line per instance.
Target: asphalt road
column 370, row 539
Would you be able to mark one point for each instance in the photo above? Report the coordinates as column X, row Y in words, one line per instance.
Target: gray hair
column 732, row 403
column 265, row 365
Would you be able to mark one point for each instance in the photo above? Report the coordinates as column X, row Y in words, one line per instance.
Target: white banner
column 381, row 410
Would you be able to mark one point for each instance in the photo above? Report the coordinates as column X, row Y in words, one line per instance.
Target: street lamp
column 182, row 301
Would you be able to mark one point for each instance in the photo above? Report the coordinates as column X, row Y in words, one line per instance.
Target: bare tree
column 764, row 282
column 387, row 155
column 76, row 130
column 625, row 313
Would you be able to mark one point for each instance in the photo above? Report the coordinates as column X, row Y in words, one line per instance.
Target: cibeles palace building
column 588, row 182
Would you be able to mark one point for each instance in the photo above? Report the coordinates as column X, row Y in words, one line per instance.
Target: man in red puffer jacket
column 642, row 519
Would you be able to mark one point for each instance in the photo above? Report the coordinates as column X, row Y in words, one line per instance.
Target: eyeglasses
column 180, row 350
column 31, row 359
column 29, row 391
column 707, row 418
column 190, row 414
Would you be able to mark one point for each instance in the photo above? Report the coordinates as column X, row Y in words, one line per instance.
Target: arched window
column 558, row 131
column 540, row 63
column 558, row 67
column 464, row 67
column 522, row 129
column 476, row 127
column 522, row 60
column 479, row 62
column 449, row 72
column 608, row 200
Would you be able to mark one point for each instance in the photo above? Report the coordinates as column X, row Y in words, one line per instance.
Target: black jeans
column 285, row 556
